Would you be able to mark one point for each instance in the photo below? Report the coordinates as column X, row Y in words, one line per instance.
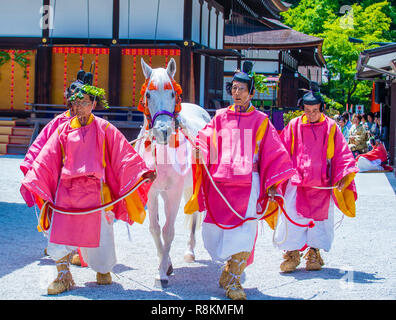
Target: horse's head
column 160, row 99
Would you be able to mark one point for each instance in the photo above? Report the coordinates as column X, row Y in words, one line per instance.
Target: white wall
column 220, row 31
column 260, row 54
column 20, row 18
column 71, row 19
column 143, row 16
column 202, row 83
column 265, row 66
column 205, row 23
column 196, row 11
column 213, row 26
column 230, row 65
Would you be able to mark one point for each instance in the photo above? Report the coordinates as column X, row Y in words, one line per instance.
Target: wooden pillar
column 42, row 86
column 115, row 52
column 186, row 53
column 116, row 20
column 114, row 85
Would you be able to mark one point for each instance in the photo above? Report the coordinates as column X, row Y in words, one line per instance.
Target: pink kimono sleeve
column 274, row 161
column 126, row 164
column 286, row 137
column 204, row 142
column 40, row 141
column 343, row 162
column 42, row 178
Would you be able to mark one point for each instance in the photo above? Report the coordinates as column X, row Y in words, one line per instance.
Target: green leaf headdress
column 83, row 85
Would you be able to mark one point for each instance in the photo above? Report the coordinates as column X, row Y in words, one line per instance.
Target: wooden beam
column 114, row 84
column 45, row 31
column 42, row 88
column 116, row 21
column 185, row 70
column 187, row 20
column 200, row 20
column 186, row 52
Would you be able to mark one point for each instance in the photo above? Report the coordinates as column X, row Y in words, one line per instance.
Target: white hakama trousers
column 366, row 165
column 223, row 243
column 101, row 259
column 291, row 237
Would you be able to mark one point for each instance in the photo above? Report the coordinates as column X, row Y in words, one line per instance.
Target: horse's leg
column 191, row 222
column 172, row 199
column 155, row 229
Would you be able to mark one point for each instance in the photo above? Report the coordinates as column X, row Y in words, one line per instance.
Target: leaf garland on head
column 260, row 81
column 91, row 90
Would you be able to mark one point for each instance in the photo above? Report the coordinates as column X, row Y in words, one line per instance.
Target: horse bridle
column 161, row 112
column 151, row 119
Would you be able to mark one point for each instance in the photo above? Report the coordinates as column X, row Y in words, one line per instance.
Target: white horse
column 173, row 165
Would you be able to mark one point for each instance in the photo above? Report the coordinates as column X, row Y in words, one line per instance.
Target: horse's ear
column 171, row 68
column 146, row 69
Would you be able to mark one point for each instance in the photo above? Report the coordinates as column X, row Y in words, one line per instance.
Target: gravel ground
column 360, row 265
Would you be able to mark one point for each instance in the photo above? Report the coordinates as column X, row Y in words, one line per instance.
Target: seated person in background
column 375, row 159
column 346, row 117
column 375, row 129
column 358, row 136
column 370, row 121
column 342, row 124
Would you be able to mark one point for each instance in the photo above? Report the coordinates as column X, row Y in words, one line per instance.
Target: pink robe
column 70, row 171
column 308, row 144
column 233, row 147
column 36, row 147
column 378, row 152
column 42, row 139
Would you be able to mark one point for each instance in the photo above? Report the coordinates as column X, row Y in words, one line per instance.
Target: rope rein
column 280, row 200
column 88, row 211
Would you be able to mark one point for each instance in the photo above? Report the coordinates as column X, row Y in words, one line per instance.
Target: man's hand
column 341, row 184
column 151, row 175
column 271, row 193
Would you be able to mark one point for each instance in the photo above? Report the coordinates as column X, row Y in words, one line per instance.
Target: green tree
column 309, row 16
column 370, row 25
column 335, row 21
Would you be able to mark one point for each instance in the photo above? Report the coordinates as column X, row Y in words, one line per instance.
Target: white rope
column 101, row 207
column 276, row 228
column 133, row 141
column 325, row 188
column 339, row 222
column 219, row 192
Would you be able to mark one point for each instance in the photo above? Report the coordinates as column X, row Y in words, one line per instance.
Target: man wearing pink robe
column 324, row 178
column 247, row 161
column 39, row 143
column 50, row 128
column 86, row 163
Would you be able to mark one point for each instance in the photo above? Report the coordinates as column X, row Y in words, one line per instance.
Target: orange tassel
column 174, row 141
column 147, row 144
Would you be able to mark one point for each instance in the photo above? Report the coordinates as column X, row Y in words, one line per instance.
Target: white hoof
column 189, row 257
column 161, row 283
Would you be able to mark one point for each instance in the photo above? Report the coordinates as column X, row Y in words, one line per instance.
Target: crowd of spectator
column 363, row 132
